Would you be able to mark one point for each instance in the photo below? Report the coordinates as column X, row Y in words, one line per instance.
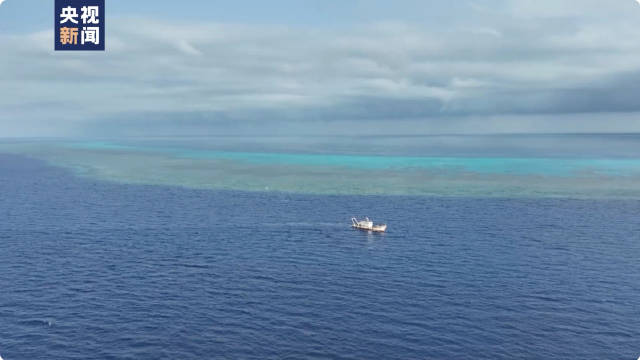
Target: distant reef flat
column 351, row 172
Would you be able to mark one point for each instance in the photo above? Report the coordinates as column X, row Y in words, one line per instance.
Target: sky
column 327, row 67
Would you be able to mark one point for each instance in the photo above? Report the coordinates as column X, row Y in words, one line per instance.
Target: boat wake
column 306, row 224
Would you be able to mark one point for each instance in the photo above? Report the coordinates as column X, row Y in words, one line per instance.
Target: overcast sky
column 326, row 67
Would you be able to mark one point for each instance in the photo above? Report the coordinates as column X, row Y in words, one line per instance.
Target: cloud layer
column 521, row 66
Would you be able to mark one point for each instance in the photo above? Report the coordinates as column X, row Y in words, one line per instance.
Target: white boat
column 367, row 225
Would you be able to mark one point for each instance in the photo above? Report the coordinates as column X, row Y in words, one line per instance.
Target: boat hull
column 375, row 228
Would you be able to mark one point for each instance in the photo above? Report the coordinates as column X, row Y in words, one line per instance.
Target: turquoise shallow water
column 603, row 166
column 488, row 165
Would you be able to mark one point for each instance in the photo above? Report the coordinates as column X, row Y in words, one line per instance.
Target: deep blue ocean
column 98, row 270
